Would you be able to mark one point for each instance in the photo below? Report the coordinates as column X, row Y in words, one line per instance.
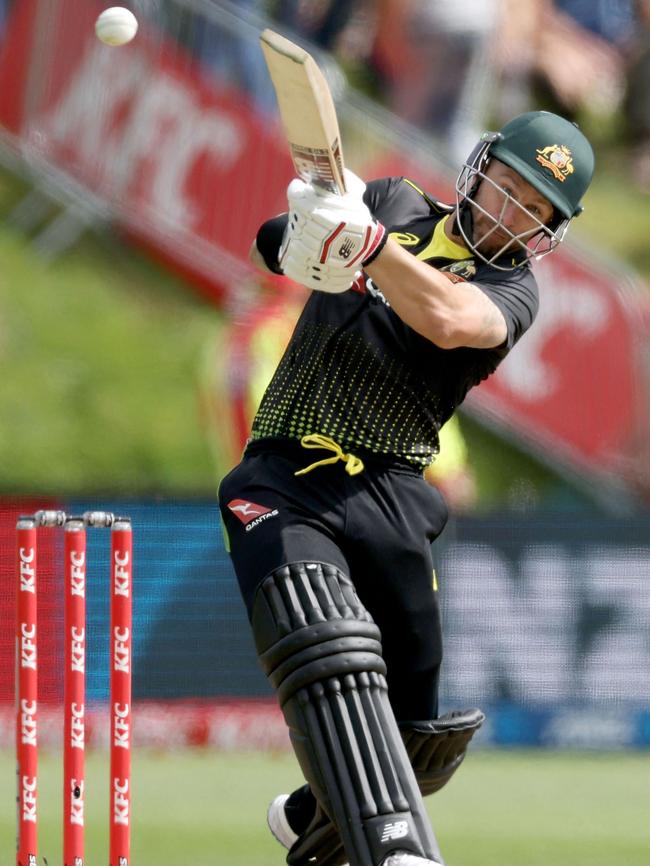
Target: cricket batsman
column 328, row 516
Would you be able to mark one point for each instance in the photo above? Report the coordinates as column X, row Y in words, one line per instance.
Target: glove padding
column 435, row 748
column 328, row 237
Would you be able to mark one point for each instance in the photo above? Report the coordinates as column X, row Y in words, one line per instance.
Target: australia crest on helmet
column 558, row 159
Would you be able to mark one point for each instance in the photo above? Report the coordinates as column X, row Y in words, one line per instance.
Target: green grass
column 503, row 809
column 100, row 353
column 616, row 219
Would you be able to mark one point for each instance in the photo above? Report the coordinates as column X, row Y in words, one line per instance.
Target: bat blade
column 307, row 112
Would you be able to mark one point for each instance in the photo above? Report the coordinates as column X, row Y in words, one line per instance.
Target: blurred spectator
column 412, row 47
column 434, row 58
column 612, row 20
column 580, row 57
column 320, row 21
column 637, row 99
column 233, row 58
column 547, row 55
column 221, row 44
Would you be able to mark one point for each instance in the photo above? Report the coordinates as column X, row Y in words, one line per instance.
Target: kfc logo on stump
column 250, row 513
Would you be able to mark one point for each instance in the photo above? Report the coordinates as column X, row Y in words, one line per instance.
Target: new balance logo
column 396, row 830
column 250, row 513
column 347, row 248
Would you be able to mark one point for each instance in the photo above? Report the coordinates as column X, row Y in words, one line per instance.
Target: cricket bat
column 307, row 112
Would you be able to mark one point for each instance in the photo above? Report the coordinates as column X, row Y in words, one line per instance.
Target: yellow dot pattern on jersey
column 338, row 385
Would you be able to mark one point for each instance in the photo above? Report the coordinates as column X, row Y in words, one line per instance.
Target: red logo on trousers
column 247, row 511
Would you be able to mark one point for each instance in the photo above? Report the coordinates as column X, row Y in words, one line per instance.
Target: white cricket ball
column 116, row 26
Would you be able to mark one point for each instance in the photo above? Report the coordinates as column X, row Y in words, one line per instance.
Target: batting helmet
column 548, row 152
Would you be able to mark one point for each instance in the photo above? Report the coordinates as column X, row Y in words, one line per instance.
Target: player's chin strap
column 436, row 748
column 353, row 464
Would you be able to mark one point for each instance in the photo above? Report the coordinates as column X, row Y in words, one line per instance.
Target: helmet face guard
column 549, row 153
column 516, row 249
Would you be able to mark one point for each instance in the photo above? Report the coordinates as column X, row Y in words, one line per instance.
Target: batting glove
column 306, row 269
column 328, row 231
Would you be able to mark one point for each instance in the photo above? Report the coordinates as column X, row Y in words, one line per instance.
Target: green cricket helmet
column 554, row 157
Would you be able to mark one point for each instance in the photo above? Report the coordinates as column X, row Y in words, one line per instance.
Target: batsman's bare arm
column 450, row 314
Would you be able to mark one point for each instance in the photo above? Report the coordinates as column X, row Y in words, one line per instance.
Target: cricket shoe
column 281, row 829
column 276, row 818
column 403, row 858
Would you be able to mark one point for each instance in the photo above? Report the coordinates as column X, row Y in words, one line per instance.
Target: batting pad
column 321, row 651
column 435, row 748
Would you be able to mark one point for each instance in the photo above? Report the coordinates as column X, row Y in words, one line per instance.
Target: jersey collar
column 441, row 246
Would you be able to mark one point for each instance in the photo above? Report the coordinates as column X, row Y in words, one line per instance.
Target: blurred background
column 136, row 340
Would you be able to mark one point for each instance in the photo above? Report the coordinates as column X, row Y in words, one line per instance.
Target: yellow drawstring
column 353, row 464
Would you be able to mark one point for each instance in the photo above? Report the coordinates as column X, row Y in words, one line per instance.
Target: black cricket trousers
column 376, row 527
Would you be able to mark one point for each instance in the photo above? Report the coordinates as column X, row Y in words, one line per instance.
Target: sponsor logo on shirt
column 250, row 513
column 458, row 271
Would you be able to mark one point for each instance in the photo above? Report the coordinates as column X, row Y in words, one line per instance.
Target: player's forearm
column 449, row 314
column 419, row 294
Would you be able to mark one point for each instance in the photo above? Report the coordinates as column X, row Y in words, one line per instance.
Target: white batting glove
column 302, row 265
column 312, row 274
column 306, row 198
column 336, row 232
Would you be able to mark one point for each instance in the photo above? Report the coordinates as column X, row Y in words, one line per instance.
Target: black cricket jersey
column 354, row 371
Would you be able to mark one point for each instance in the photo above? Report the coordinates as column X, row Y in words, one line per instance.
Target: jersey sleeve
column 379, row 191
column 518, row 299
column 268, row 240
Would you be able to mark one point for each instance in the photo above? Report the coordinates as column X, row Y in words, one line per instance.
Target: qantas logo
column 250, row 513
column 246, row 511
